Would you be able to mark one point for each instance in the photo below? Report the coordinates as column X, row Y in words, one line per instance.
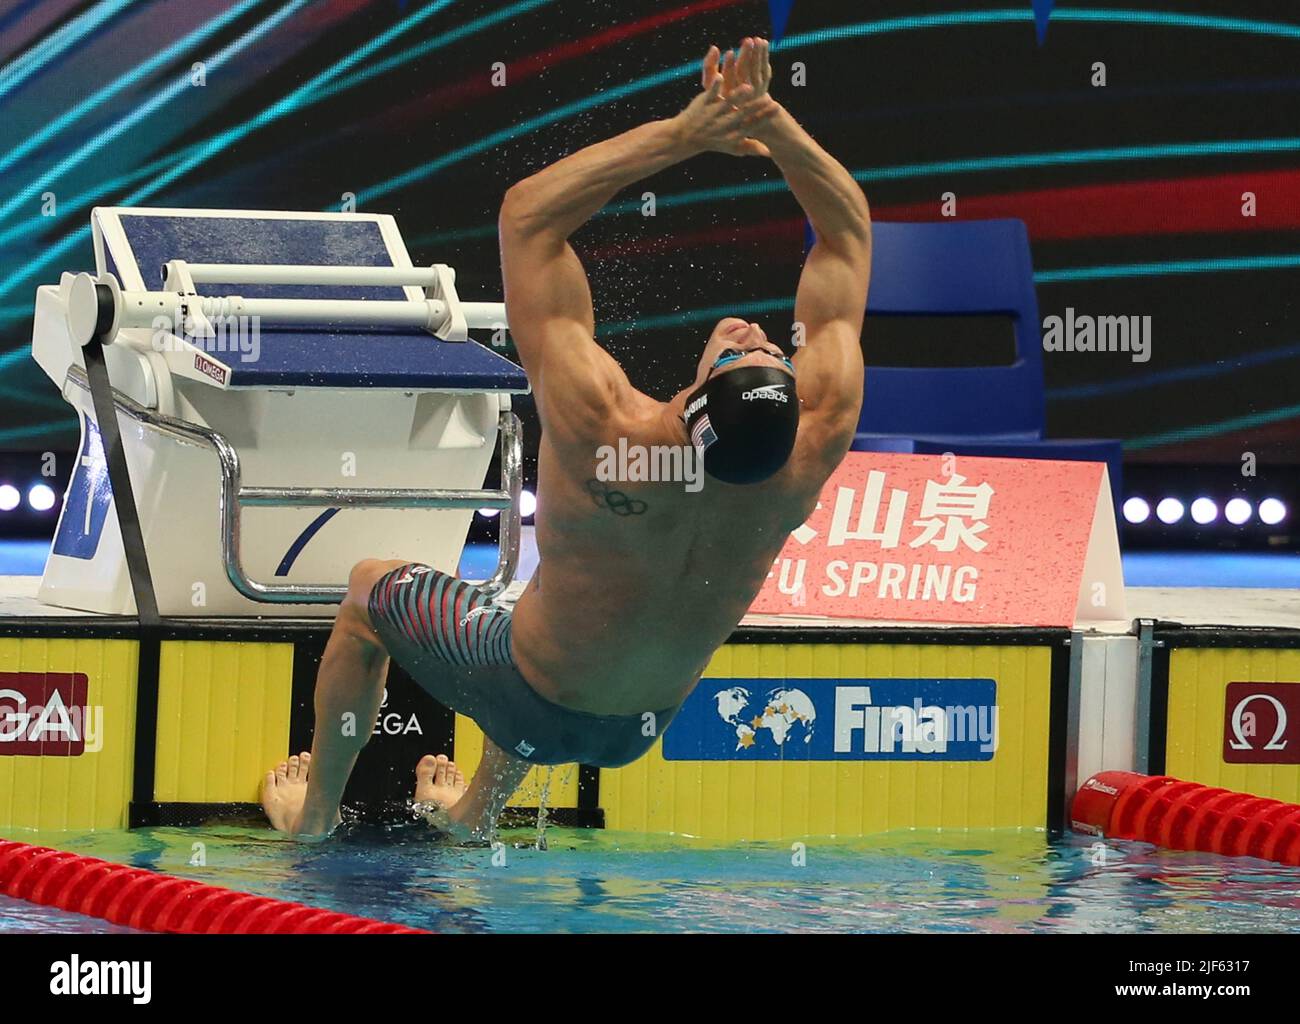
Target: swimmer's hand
column 752, row 67
column 714, row 122
column 746, row 80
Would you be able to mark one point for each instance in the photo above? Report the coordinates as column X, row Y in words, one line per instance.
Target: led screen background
column 1132, row 192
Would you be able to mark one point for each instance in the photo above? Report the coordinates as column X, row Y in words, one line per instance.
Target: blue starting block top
column 136, row 244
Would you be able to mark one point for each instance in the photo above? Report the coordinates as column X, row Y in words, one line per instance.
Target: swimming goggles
column 730, row 355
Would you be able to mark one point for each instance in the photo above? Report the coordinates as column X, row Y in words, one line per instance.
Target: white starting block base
column 285, row 439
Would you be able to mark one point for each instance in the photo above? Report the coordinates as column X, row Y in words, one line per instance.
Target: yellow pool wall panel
column 1198, row 682
column 771, row 800
column 223, row 717
column 91, row 790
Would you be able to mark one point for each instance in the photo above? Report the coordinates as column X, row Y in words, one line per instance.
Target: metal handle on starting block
column 234, row 496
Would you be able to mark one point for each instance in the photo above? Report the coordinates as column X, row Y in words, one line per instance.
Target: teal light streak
column 36, row 429
column 143, row 70
column 23, row 67
column 1287, row 261
column 295, row 100
column 1200, row 430
column 79, row 156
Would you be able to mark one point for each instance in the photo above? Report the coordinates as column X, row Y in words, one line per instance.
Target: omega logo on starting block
column 1261, row 723
column 46, row 714
column 209, row 368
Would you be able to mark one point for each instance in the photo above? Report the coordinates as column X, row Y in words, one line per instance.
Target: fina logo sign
column 836, row 720
column 1261, row 723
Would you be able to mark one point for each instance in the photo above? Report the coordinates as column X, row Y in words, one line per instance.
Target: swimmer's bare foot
column 468, row 813
column 283, row 792
column 438, row 781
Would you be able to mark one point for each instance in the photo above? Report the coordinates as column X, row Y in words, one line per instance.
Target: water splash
column 542, row 817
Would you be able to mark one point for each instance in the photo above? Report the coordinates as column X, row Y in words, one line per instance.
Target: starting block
column 292, row 395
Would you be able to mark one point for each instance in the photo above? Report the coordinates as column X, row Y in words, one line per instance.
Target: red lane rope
column 1187, row 816
column 163, row 903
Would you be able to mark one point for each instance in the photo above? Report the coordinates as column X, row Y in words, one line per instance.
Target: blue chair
column 963, row 268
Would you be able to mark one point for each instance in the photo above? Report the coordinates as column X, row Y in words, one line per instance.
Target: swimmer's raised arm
column 548, row 299
column 559, row 199
column 832, row 295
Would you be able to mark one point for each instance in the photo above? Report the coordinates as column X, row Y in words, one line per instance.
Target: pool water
column 601, row 881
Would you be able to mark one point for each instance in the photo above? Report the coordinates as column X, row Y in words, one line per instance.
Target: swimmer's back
column 641, row 582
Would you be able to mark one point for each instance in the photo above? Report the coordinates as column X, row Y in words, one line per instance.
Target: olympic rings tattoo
column 615, row 501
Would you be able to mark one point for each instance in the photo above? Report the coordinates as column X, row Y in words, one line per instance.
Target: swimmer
column 642, row 581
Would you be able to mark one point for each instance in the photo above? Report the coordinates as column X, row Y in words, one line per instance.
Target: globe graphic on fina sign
column 783, row 713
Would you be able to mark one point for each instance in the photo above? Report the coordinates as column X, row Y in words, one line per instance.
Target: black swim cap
column 745, row 421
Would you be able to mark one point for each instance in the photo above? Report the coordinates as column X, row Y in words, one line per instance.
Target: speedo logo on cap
column 772, row 392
